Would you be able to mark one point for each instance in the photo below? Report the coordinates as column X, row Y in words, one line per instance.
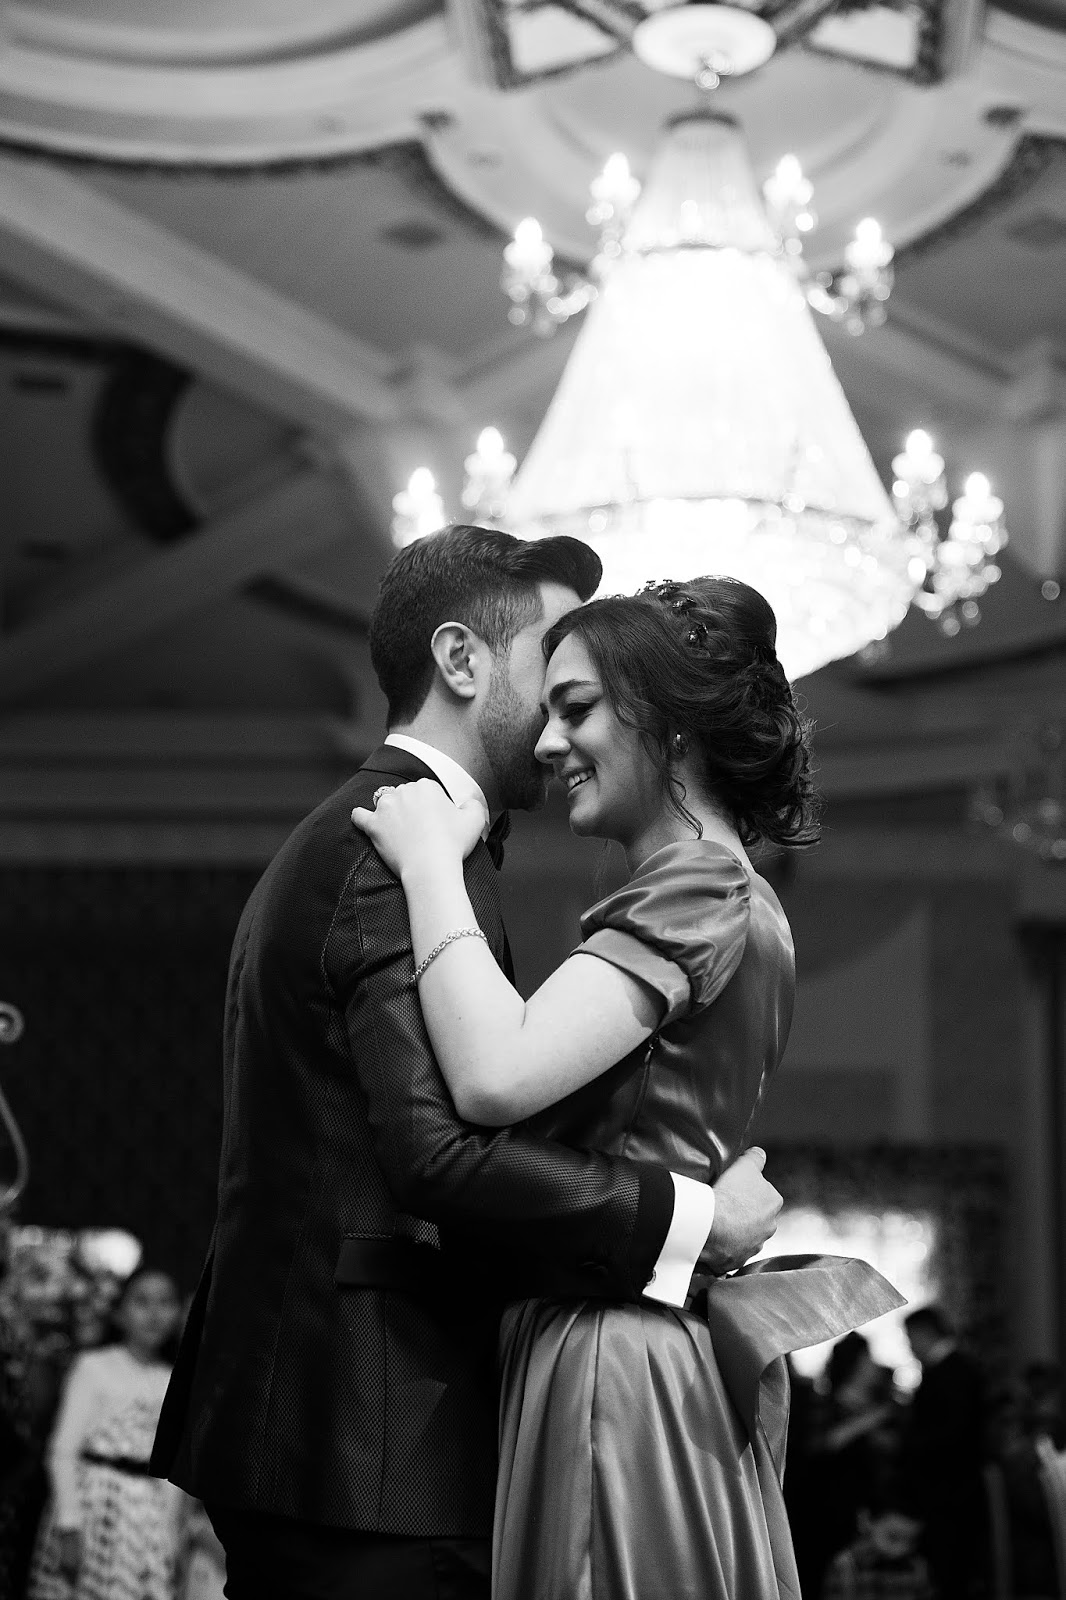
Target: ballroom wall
column 917, row 1026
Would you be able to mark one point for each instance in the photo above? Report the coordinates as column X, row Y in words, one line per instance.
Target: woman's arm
column 78, row 1409
column 503, row 1058
column 841, row 1434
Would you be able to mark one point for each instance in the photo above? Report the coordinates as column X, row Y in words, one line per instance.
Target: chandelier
column 542, row 300
column 955, row 567
column 1027, row 806
column 699, row 426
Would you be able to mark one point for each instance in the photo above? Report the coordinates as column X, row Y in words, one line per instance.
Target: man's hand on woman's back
column 746, row 1208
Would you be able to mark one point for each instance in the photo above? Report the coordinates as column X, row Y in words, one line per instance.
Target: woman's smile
column 611, row 784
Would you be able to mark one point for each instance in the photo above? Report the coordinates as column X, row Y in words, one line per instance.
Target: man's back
column 300, row 1403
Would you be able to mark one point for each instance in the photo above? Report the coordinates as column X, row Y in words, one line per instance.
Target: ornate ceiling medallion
column 524, row 42
column 704, row 43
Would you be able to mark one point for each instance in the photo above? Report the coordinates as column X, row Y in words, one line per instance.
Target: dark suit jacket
column 366, row 1407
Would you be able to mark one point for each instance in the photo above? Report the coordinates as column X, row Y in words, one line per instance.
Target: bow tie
column 495, row 837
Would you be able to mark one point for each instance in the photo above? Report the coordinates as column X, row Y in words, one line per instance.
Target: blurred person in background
column 852, row 1448
column 201, row 1572
column 882, row 1562
column 944, row 1452
column 111, row 1530
column 22, row 1477
column 1036, row 1416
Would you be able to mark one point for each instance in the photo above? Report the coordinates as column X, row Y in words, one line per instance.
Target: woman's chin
column 583, row 827
column 583, row 818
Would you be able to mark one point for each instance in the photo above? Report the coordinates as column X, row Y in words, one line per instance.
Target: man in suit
column 334, row 1399
column 944, row 1452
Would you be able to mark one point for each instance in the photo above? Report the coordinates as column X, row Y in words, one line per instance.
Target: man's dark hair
column 932, row 1319
column 478, row 576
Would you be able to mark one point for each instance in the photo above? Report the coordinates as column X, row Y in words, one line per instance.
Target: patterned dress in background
column 97, row 1461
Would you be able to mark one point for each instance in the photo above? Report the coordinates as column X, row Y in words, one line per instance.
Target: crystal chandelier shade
column 699, row 426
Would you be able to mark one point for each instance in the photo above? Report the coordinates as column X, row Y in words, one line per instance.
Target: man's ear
column 455, row 649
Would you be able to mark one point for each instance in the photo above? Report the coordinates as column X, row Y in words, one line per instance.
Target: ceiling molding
column 972, row 654
column 945, row 370
column 1025, row 39
column 405, row 159
column 311, row 100
column 133, row 411
column 296, row 519
column 1032, row 157
column 945, row 30
column 66, row 239
column 266, row 35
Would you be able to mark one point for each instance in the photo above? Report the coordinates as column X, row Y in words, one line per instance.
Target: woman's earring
column 680, row 745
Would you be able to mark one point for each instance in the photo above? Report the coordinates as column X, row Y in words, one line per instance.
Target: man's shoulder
column 382, row 766
column 330, row 825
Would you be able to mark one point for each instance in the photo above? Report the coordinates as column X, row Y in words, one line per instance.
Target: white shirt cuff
column 690, row 1228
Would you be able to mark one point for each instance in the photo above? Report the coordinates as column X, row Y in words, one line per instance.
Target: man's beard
column 509, row 733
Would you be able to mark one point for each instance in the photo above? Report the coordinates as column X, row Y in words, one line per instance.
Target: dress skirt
column 626, row 1472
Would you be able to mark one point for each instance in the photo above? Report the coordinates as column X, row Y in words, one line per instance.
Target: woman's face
column 613, row 787
column 148, row 1312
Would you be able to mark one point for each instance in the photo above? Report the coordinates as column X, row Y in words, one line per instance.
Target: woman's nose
column 552, row 744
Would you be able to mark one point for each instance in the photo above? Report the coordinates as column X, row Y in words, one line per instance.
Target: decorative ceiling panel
column 319, row 235
column 969, row 271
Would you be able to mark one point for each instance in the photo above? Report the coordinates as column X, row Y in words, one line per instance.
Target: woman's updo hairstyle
column 692, row 667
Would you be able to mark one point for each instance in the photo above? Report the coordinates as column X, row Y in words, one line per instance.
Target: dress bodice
column 710, row 937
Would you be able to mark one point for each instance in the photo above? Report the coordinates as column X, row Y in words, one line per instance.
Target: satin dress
column 626, row 1471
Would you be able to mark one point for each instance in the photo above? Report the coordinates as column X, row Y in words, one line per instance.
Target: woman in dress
column 854, row 1449
column 626, row 1469
column 111, row 1530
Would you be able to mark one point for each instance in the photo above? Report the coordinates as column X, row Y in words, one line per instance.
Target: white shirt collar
column 456, row 780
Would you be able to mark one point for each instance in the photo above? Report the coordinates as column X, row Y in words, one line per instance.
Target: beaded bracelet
column 449, row 938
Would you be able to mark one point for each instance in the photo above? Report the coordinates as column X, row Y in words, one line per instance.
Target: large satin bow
column 769, row 1308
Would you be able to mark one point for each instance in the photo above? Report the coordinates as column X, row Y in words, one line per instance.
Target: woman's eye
column 576, row 712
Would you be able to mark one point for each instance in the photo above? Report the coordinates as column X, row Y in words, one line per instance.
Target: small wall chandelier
column 417, row 510
column 957, row 565
column 1028, row 806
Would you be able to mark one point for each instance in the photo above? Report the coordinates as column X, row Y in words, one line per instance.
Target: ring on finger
column 386, row 788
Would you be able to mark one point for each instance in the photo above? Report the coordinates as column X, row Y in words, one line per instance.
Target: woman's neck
column 667, row 827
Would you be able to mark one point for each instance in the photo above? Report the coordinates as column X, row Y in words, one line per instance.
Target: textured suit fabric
column 363, row 1408
column 274, row 1558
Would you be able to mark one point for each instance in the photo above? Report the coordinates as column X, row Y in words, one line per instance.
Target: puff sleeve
column 679, row 925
